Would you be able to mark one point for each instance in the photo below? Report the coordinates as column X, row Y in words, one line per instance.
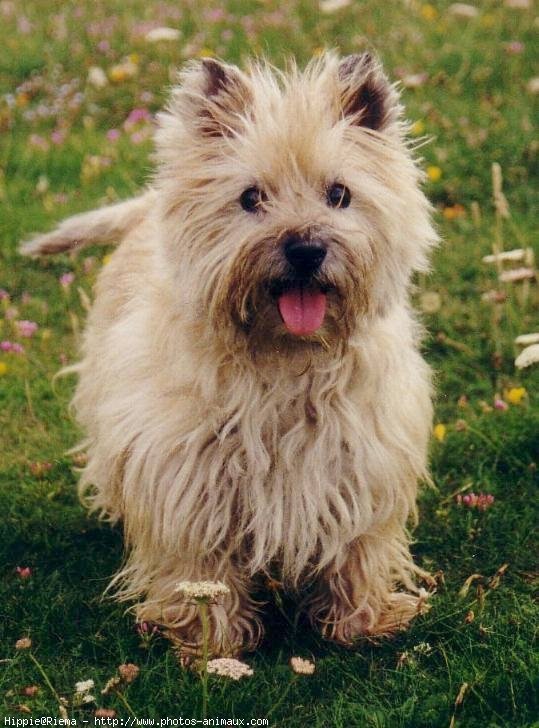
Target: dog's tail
column 106, row 225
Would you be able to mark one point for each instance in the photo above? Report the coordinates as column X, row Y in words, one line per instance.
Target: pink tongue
column 302, row 311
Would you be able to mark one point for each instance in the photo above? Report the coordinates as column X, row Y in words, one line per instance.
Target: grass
column 471, row 660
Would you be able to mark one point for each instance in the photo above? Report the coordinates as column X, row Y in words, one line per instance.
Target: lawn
column 72, row 137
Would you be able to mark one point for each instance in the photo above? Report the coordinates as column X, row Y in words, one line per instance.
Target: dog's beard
column 263, row 301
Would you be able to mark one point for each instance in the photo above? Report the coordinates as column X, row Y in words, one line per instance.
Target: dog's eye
column 338, row 195
column 252, row 198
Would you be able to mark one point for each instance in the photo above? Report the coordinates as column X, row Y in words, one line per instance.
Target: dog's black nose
column 305, row 256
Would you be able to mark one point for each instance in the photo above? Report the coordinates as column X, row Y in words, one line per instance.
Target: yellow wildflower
column 3, row 368
column 429, row 12
column 122, row 71
column 106, row 259
column 417, row 128
column 488, row 20
column 434, row 173
column 454, row 212
column 22, row 99
column 439, row 432
column 206, row 53
column 515, row 395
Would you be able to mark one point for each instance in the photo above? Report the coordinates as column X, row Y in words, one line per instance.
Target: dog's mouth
column 302, row 305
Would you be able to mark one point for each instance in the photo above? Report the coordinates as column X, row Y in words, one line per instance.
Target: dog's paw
column 228, row 639
column 399, row 611
column 392, row 616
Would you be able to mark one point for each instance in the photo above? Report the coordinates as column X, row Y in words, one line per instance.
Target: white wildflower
column 527, row 357
column 516, row 254
column 533, row 85
column 462, row 10
column 423, row 648
column 517, row 274
column 414, row 80
column 331, row 6
column 84, row 686
column 526, row 339
column 229, row 667
column 97, row 77
column 158, row 34
column 202, row 589
column 301, row 666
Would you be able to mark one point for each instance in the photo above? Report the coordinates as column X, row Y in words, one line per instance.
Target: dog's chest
column 299, row 487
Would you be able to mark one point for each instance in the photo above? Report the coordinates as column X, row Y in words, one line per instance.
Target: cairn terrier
column 253, row 397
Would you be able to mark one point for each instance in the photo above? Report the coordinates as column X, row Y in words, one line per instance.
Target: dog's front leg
column 233, row 622
column 358, row 593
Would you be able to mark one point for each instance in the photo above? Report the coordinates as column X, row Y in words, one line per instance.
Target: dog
column 251, row 387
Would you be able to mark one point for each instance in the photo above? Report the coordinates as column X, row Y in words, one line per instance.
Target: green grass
column 476, row 107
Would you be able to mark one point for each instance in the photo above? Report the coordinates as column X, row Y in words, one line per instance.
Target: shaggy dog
column 250, row 383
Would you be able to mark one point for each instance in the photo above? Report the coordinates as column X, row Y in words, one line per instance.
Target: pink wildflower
column 58, row 136
column 24, row 26
column 67, row 279
column 146, row 628
column 499, row 404
column 11, row 347
column 137, row 116
column 113, row 135
column 214, row 15
column 481, row 501
column 27, row 328
column 4, row 295
column 514, row 47
column 24, row 572
column 137, row 137
column 37, row 141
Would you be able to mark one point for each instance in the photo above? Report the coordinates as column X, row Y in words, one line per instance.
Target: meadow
column 80, row 83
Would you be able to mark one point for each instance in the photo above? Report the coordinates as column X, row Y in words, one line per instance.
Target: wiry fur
column 228, row 447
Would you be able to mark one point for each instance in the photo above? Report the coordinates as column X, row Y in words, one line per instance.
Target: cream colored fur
column 229, row 448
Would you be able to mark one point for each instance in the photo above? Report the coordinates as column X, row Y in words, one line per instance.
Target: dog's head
column 289, row 202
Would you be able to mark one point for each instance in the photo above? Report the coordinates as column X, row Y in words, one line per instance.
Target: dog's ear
column 214, row 95
column 367, row 97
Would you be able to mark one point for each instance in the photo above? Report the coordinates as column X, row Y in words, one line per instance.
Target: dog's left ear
column 214, row 95
column 367, row 96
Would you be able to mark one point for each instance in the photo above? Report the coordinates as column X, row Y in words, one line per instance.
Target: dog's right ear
column 212, row 95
